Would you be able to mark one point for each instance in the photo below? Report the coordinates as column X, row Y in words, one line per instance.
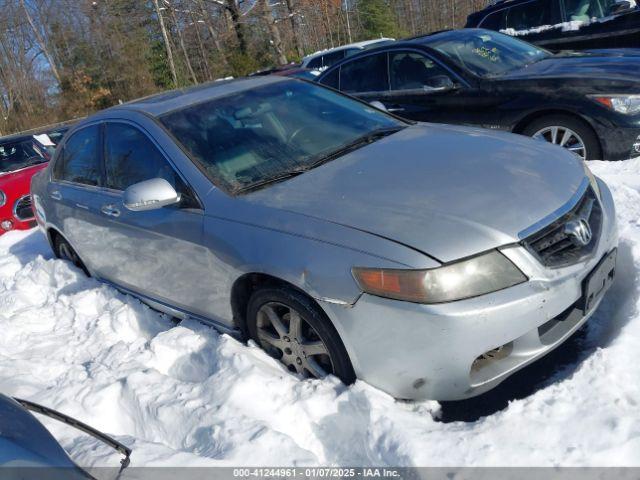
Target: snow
column 570, row 26
column 182, row 394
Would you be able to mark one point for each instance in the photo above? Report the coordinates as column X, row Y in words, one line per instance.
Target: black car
column 588, row 103
column 565, row 24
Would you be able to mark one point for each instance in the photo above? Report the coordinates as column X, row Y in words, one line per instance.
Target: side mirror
column 379, row 105
column 150, row 195
column 621, row 6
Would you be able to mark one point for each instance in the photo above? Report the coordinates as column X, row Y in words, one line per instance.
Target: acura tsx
column 431, row 261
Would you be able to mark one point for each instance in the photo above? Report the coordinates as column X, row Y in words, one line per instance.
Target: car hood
column 24, row 441
column 447, row 191
column 602, row 64
column 22, row 176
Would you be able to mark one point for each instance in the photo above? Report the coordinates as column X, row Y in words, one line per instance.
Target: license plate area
column 598, row 281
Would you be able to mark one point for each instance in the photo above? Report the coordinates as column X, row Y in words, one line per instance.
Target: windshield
column 486, row 53
column 19, row 154
column 270, row 132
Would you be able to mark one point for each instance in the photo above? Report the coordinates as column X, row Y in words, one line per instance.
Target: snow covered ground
column 185, row 395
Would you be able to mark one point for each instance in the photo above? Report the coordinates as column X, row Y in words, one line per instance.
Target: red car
column 21, row 157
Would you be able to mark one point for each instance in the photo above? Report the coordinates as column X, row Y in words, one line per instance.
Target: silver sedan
column 431, row 261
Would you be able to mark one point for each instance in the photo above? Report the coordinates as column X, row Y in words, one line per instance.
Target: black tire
column 309, row 313
column 64, row 251
column 582, row 128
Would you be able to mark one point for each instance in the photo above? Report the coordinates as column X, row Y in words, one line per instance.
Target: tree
column 274, row 32
column 167, row 44
column 377, row 19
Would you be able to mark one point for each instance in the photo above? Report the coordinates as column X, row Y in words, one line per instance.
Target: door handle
column 56, row 195
column 110, row 210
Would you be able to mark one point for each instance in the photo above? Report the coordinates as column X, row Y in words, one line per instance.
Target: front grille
column 563, row 242
column 22, row 209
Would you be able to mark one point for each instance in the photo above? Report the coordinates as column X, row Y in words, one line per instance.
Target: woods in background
column 61, row 59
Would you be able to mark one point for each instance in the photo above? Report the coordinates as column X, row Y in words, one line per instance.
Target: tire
column 580, row 127
column 64, row 251
column 299, row 353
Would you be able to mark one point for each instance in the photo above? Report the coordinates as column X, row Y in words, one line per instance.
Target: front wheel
column 568, row 132
column 291, row 328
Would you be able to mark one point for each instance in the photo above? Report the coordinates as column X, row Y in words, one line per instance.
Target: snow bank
column 181, row 394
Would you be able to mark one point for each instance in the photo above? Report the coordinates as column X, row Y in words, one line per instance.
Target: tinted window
column 130, row 158
column 80, row 158
column 269, row 132
column 331, row 80
column 316, row 63
column 528, row 15
column 495, row 21
column 415, row 71
column 332, row 58
column 367, row 74
column 585, row 10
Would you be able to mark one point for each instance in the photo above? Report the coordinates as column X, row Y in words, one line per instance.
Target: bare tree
column 167, row 44
column 41, row 43
column 274, row 31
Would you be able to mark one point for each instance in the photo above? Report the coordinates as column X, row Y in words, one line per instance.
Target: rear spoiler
column 83, row 427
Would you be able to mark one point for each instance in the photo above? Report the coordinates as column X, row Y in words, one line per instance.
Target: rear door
column 366, row 77
column 74, row 192
column 156, row 253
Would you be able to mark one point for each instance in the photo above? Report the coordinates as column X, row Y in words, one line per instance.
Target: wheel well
column 522, row 124
column 52, row 234
column 532, row 117
column 244, row 287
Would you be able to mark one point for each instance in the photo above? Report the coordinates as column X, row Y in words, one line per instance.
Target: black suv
column 565, row 24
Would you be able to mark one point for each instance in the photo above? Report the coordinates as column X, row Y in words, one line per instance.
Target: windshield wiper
column 267, row 181
column 343, row 150
column 354, row 145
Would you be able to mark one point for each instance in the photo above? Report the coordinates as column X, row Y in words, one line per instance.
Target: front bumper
column 9, row 222
column 620, row 142
column 415, row 351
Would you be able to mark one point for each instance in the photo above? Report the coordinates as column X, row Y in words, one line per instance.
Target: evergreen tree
column 378, row 19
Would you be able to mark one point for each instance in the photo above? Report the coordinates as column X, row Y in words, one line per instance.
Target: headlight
column 592, row 179
column 627, row 104
column 3, row 198
column 485, row 273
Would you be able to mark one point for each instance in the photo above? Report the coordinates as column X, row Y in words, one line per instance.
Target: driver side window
column 130, row 158
column 414, row 71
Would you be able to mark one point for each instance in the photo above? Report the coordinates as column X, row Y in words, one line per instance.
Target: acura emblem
column 579, row 231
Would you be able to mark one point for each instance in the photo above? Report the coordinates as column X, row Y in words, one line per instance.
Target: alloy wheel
column 287, row 336
column 563, row 137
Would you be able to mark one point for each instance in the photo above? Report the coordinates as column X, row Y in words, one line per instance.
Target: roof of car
column 24, row 135
column 491, row 6
column 165, row 102
column 363, row 44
